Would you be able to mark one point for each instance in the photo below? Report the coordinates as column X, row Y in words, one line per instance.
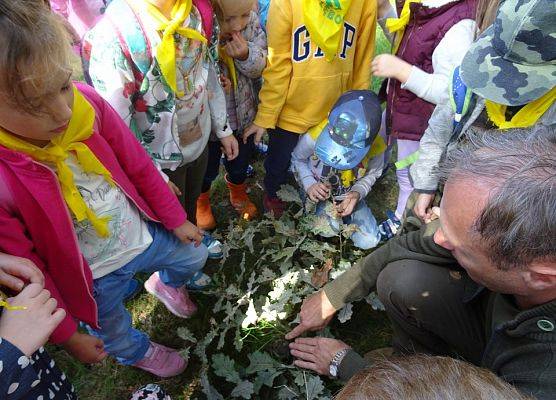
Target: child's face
column 50, row 120
column 235, row 15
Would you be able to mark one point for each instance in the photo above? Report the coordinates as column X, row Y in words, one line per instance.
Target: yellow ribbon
column 324, row 20
column 527, row 116
column 348, row 176
column 58, row 150
column 397, row 25
column 166, row 50
column 4, row 303
column 229, row 61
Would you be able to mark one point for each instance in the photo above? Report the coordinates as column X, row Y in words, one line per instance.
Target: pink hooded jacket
column 35, row 222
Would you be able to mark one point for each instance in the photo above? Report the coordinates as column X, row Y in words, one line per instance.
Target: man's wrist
column 337, row 360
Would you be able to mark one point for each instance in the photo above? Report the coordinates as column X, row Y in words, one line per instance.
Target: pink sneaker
column 177, row 301
column 162, row 361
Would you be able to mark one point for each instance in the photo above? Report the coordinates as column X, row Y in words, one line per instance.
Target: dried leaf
column 320, row 275
column 289, row 194
column 208, row 389
column 225, row 367
column 314, row 387
column 185, row 334
column 375, row 302
column 345, row 313
column 260, row 361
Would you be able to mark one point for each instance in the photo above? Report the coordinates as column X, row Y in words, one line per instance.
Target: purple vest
column 407, row 114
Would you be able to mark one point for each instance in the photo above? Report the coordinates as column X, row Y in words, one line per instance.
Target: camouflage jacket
column 440, row 137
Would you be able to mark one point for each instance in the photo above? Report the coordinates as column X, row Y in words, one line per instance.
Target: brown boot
column 241, row 202
column 205, row 219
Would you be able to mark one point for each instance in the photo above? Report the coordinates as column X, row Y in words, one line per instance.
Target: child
column 431, row 39
column 314, row 59
column 242, row 60
column 335, row 160
column 151, row 63
column 81, row 198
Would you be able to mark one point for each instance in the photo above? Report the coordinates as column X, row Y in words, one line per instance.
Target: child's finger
column 58, row 316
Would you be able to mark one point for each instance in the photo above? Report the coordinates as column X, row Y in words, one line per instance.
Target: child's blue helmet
column 352, row 127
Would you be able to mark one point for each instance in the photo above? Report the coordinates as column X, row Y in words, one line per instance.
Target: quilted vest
column 407, row 114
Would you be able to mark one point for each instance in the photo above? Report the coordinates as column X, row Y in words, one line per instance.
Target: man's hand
column 237, row 47
column 389, row 66
column 423, row 205
column 189, row 233
column 347, row 205
column 28, row 329
column 176, row 190
column 85, row 348
column 15, row 272
column 316, row 312
column 230, row 147
column 254, row 130
column 318, row 192
column 316, row 354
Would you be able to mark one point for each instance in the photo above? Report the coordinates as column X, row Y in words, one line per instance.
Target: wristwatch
column 336, row 361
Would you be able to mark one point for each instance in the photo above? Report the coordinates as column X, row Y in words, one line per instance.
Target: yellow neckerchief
column 324, row 20
column 527, row 116
column 4, row 303
column 166, row 50
column 80, row 128
column 397, row 25
column 349, row 176
column 229, row 61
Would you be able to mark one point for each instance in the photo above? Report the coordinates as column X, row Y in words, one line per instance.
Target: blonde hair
column 426, row 377
column 485, row 14
column 35, row 53
column 218, row 6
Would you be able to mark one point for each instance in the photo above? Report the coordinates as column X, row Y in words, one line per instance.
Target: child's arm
column 277, row 75
column 300, row 162
column 365, row 47
column 256, row 60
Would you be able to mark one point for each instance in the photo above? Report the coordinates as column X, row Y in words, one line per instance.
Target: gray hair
column 518, row 223
column 427, row 377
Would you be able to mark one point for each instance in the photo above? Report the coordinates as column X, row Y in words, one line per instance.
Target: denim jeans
column 176, row 261
column 280, row 147
column 367, row 236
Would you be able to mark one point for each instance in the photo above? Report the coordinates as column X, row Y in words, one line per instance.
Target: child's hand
column 347, row 205
column 423, row 205
column 230, row 147
column 189, row 233
column 389, row 66
column 318, row 192
column 176, row 190
column 85, row 348
column 237, row 47
column 226, row 83
column 16, row 271
column 254, row 130
column 29, row 329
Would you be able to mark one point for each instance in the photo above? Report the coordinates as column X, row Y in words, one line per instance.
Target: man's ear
column 541, row 275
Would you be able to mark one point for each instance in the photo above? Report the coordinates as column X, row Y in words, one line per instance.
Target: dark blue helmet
column 352, row 127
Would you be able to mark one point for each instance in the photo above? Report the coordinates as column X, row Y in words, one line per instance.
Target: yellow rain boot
column 205, row 219
column 241, row 202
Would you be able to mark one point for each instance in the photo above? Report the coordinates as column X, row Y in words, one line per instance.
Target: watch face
column 333, row 370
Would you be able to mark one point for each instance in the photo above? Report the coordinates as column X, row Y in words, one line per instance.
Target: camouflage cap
column 514, row 61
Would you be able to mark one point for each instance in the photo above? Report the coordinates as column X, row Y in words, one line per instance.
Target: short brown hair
column 427, row 377
column 35, row 52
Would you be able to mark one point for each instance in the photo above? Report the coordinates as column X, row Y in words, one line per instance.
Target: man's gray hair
column 518, row 223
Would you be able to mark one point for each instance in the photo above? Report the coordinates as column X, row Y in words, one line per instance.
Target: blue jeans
column 367, row 236
column 177, row 262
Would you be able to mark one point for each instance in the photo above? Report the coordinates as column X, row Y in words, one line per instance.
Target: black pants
column 236, row 169
column 189, row 179
column 426, row 306
column 280, row 147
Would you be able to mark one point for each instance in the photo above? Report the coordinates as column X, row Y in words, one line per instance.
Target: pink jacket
column 35, row 222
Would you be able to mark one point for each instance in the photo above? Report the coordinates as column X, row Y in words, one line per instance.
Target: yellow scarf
column 229, row 61
column 349, row 176
column 324, row 20
column 527, row 116
column 166, row 50
column 58, row 150
column 397, row 25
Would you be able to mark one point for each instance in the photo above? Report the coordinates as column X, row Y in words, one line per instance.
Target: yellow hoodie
column 300, row 86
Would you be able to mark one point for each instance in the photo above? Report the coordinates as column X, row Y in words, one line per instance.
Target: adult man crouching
column 478, row 284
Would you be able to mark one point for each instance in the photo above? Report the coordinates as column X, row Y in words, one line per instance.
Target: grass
column 367, row 330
